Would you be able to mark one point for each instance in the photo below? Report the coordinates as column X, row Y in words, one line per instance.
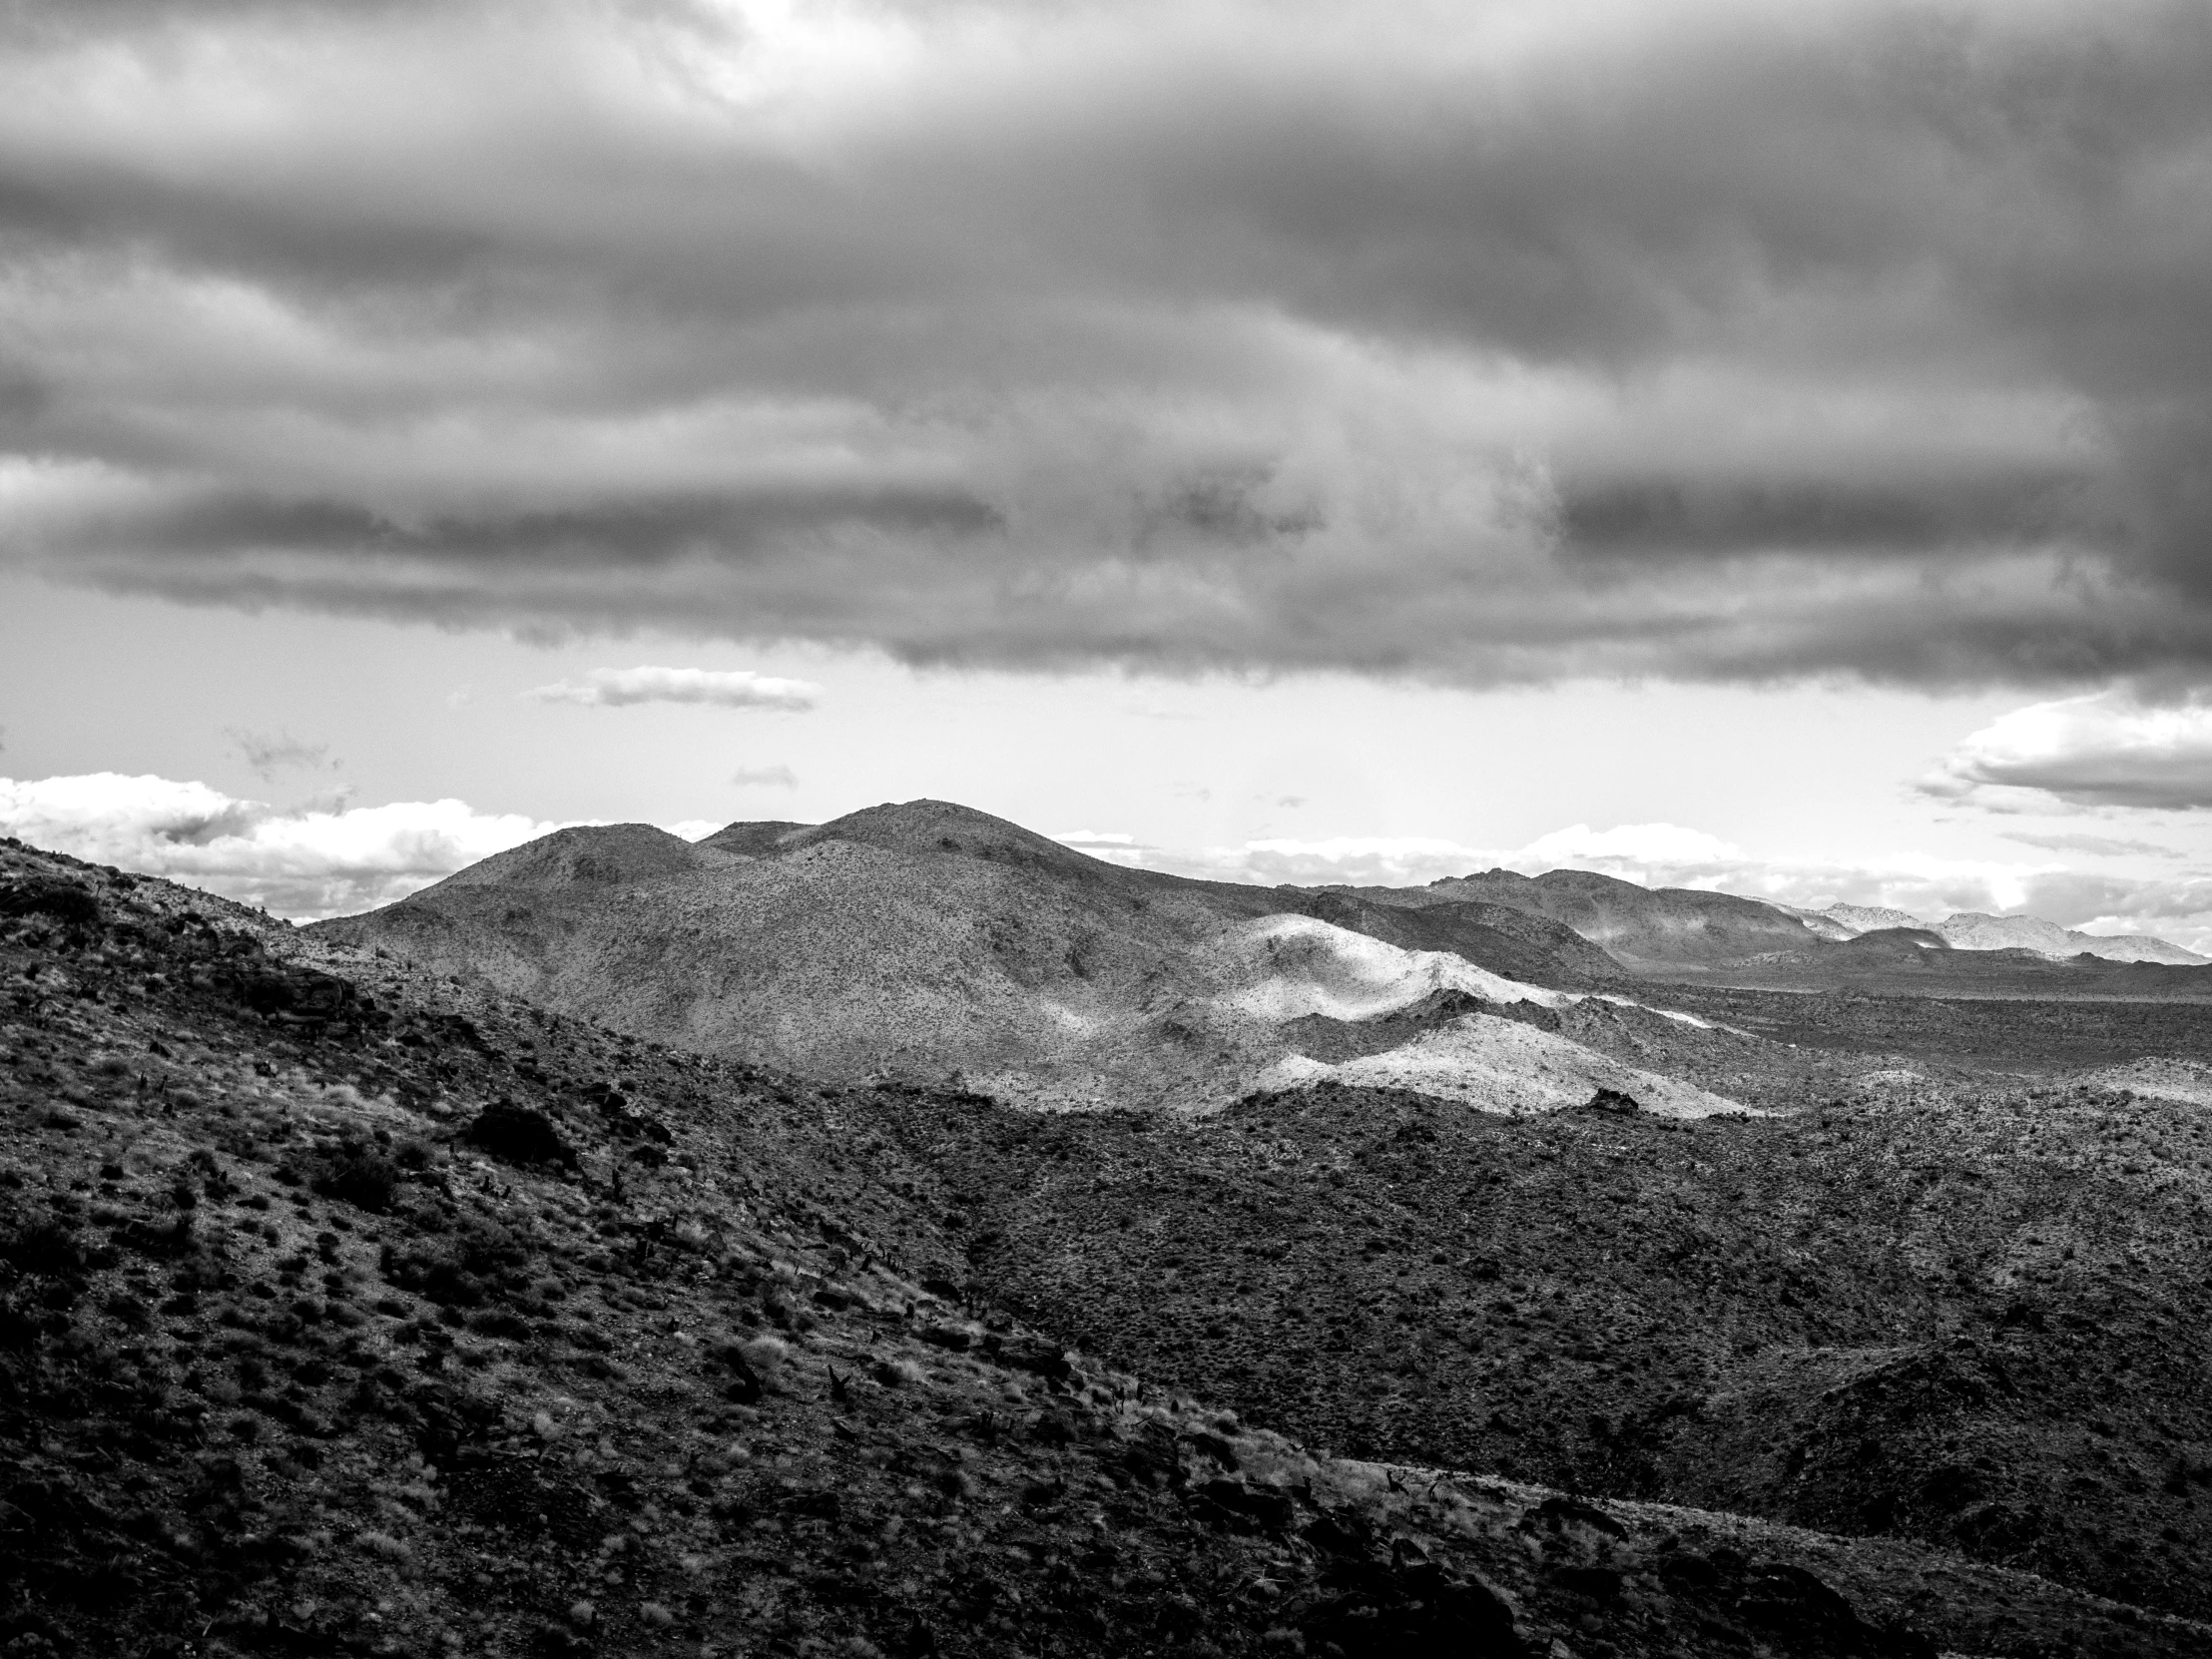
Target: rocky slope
column 344, row 1309
column 1969, row 1315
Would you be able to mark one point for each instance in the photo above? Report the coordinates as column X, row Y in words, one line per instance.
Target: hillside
column 1521, row 944
column 1954, row 1311
column 346, row 1311
column 1643, row 927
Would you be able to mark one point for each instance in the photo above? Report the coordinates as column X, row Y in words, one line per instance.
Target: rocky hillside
column 348, row 1309
column 1958, row 1312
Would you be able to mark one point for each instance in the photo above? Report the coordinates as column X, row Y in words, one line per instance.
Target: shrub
column 517, row 1135
column 47, row 1249
column 766, row 1354
column 451, row 1268
column 65, row 901
column 356, row 1174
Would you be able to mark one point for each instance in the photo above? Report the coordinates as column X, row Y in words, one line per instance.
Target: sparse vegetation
column 792, row 1390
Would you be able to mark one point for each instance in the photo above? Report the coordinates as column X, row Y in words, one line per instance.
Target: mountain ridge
column 933, row 942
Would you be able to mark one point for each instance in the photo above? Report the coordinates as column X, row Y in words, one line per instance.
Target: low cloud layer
column 302, row 863
column 2111, row 750
column 1484, row 342
column 615, row 687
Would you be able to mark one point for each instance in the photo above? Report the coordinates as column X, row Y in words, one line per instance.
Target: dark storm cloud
column 1909, row 517
column 1477, row 343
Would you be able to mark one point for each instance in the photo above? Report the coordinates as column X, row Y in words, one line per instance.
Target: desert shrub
column 46, row 1248
column 501, row 1322
column 65, row 901
column 453, row 1268
column 766, row 1355
column 166, row 1240
column 356, row 1174
column 517, row 1135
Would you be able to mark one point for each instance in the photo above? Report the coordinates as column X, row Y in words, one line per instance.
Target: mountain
column 1643, row 927
column 932, row 943
column 1522, row 944
column 1971, row 930
column 1652, row 930
column 1869, row 919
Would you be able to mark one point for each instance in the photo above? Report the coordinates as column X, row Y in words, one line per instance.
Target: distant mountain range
column 930, row 943
column 1969, row 931
column 935, row 943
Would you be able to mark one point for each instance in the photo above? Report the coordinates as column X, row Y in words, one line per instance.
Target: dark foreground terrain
column 349, row 1309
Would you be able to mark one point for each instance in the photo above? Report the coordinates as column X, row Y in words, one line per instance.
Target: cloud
column 2111, row 749
column 614, row 688
column 764, row 778
column 301, row 864
column 1113, row 846
column 267, row 754
column 2099, row 845
column 1483, row 343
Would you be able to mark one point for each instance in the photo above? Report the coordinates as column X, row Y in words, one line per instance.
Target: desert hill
column 1656, row 931
column 604, row 856
column 1851, row 919
column 344, row 1309
column 1643, row 927
column 1971, row 930
column 753, row 838
column 1974, row 931
column 1522, row 944
column 935, row 943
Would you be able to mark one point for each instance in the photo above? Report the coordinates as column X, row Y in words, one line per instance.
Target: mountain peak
column 944, row 826
column 753, row 837
column 608, row 853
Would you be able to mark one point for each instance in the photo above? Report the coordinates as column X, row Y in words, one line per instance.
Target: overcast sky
column 1745, row 444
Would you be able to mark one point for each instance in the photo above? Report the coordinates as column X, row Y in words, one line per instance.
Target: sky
column 1723, row 444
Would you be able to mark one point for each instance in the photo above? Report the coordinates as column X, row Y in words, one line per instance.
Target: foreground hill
column 935, row 944
column 344, row 1310
column 1968, row 1314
